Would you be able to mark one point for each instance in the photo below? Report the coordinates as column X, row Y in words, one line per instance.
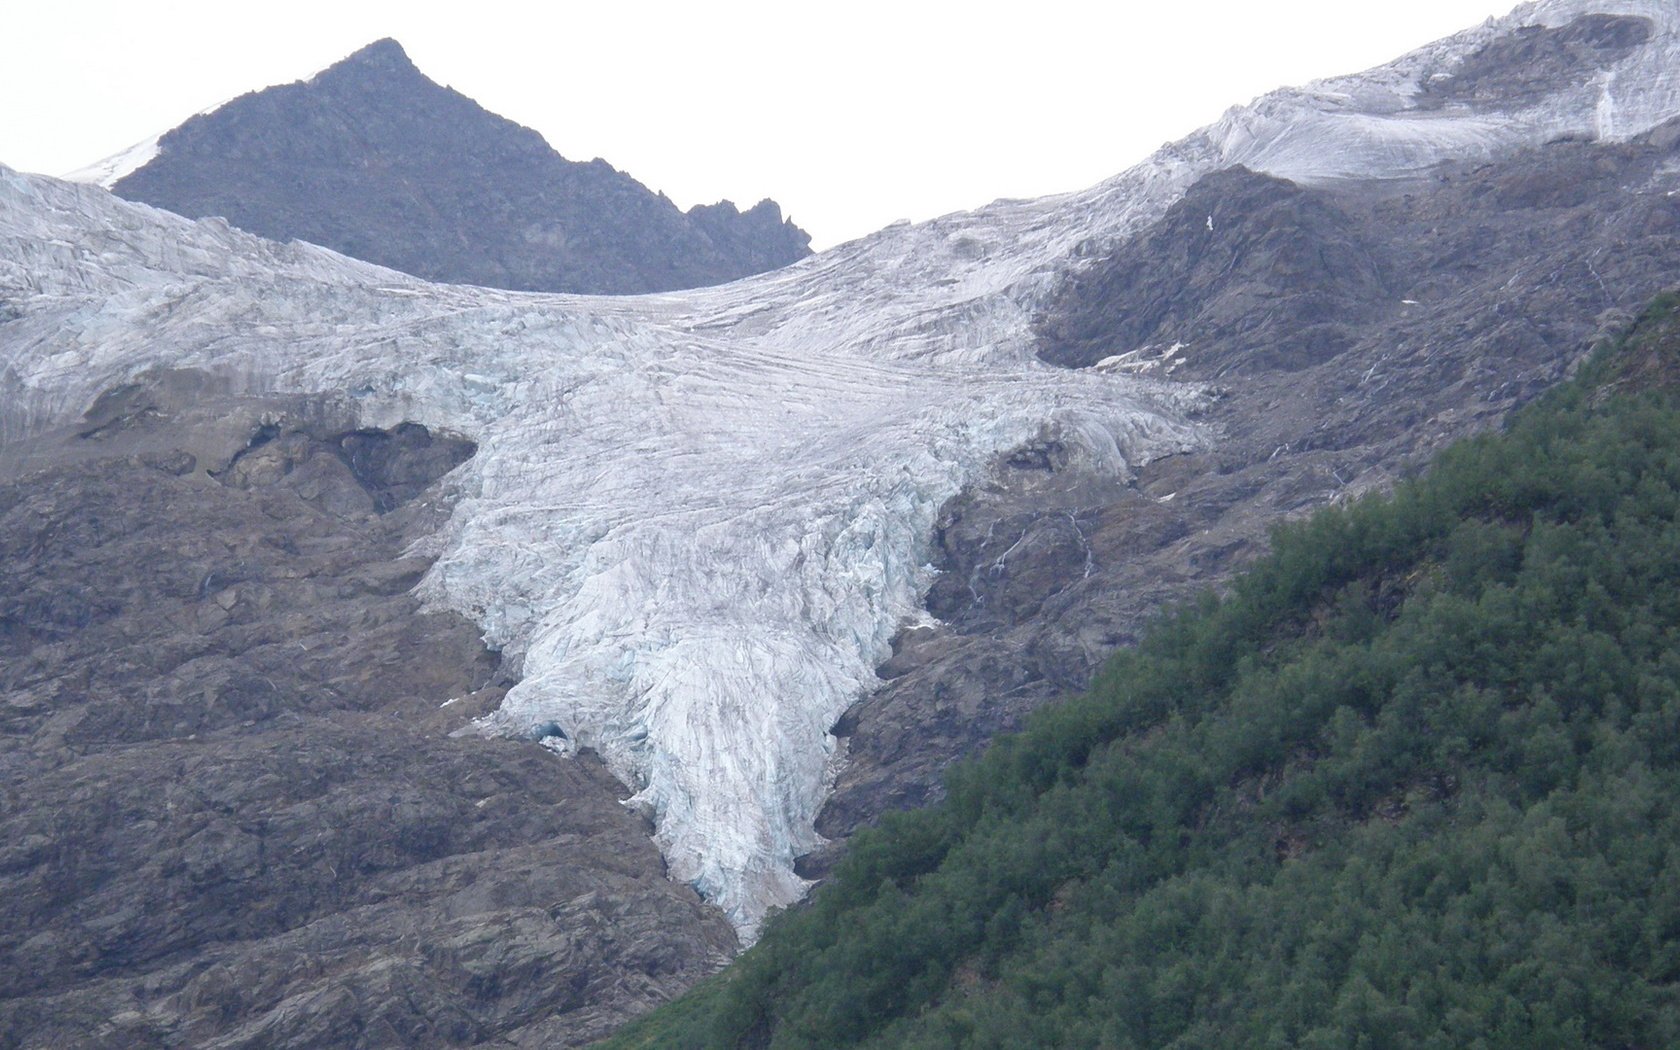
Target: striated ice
column 696, row 519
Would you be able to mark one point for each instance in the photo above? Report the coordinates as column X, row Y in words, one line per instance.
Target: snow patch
column 113, row 169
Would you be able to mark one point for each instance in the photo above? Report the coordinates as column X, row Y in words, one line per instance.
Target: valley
column 486, row 661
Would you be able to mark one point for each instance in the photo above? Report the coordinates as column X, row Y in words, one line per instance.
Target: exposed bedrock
column 231, row 810
column 373, row 159
column 1527, row 64
column 1351, row 330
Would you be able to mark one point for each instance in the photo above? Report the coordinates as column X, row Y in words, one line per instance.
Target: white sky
column 851, row 115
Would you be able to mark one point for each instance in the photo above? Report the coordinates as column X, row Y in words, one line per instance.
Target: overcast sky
column 851, row 115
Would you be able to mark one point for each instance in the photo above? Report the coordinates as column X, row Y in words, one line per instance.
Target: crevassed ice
column 698, row 518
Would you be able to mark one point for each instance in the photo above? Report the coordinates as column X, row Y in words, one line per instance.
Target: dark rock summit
column 373, row 159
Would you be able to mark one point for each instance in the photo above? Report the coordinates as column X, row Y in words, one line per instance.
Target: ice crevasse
column 697, row 519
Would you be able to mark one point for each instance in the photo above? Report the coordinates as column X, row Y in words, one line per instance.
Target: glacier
column 696, row 520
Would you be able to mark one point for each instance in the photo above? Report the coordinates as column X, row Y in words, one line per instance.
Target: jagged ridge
column 373, row 159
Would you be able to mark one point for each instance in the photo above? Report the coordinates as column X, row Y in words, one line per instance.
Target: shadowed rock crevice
column 359, row 470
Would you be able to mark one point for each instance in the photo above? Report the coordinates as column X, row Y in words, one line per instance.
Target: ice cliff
column 698, row 519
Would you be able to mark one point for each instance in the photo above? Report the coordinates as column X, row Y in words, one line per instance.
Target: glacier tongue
column 697, row 519
column 747, row 533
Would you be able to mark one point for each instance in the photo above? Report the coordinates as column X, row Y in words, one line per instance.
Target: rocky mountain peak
column 1519, row 68
column 372, row 158
column 383, row 55
column 382, row 76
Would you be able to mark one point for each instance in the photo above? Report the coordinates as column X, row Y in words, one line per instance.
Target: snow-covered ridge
column 698, row 518
column 1369, row 124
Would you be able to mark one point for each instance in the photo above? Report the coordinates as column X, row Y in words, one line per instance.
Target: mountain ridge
column 372, row 158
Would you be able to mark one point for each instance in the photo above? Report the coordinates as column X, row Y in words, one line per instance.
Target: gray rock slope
column 231, row 812
column 373, row 159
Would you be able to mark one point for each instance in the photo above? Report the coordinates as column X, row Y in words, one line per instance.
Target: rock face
column 1522, row 67
column 233, row 814
column 1350, row 329
column 372, row 159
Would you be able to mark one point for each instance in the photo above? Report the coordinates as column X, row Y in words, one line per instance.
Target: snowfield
column 698, row 519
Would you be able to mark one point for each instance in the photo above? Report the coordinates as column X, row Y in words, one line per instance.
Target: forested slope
column 1411, row 783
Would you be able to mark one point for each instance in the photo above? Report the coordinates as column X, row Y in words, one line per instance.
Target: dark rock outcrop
column 1523, row 66
column 1349, row 331
column 373, row 159
column 1243, row 260
column 232, row 810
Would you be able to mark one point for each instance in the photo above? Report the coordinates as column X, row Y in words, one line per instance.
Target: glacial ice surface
column 697, row 519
